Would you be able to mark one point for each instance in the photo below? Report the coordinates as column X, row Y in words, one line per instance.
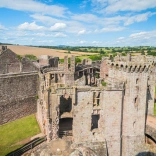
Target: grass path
column 17, row 131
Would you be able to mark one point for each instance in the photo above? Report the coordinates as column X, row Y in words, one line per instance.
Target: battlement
column 130, row 67
column 130, row 64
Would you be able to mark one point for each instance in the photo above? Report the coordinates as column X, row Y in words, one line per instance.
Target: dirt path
column 151, row 121
column 29, row 139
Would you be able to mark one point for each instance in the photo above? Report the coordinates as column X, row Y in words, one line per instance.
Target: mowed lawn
column 13, row 132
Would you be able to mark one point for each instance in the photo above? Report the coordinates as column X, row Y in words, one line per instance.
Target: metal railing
column 65, row 133
column 27, row 147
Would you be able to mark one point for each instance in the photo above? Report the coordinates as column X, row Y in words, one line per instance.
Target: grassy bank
column 155, row 109
column 16, row 131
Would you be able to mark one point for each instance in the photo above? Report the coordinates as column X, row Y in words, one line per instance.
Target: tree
column 77, row 60
column 101, row 52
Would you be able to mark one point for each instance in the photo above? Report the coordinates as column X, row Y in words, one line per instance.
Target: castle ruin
column 103, row 103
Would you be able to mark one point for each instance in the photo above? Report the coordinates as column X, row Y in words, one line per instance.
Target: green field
column 16, row 131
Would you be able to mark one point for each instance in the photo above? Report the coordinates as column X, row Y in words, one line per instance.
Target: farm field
column 23, row 50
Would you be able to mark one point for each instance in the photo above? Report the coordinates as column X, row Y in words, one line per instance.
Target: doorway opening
column 65, row 127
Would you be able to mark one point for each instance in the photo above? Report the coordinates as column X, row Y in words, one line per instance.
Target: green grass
column 16, row 131
column 155, row 109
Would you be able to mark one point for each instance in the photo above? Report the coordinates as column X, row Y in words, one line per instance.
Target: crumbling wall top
column 3, row 48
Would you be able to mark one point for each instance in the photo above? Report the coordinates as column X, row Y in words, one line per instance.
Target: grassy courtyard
column 16, row 131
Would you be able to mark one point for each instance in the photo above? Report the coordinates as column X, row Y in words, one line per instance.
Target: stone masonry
column 18, row 87
column 105, row 101
column 100, row 107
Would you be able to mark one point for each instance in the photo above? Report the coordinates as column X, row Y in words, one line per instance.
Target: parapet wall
column 18, row 96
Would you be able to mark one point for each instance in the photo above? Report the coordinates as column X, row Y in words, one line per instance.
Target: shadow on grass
column 146, row 154
column 28, row 146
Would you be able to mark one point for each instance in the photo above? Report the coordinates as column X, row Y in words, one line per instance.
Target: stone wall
column 109, row 123
column 27, row 66
column 82, row 117
column 112, row 124
column 103, row 69
column 81, row 81
column 18, row 96
column 9, row 63
column 134, row 110
column 69, row 79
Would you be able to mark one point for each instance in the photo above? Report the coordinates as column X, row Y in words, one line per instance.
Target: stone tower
column 138, row 94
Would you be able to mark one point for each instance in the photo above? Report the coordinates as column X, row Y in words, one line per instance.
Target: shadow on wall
column 65, row 104
column 146, row 154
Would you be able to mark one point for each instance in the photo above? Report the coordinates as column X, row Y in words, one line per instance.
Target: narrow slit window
column 96, row 98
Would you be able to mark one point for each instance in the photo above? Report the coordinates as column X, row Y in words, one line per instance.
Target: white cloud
column 60, row 35
column 139, row 38
column 81, row 32
column 44, row 41
column 33, row 6
column 130, row 5
column 97, row 24
column 137, row 18
column 112, row 29
column 141, row 35
column 121, row 38
column 45, row 19
column 72, row 26
column 96, row 43
column 2, row 27
column 84, row 3
column 30, row 26
column 114, row 20
column 82, row 42
column 57, row 26
column 113, row 6
column 85, row 17
column 39, row 34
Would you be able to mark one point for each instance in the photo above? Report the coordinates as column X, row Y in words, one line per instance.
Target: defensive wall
column 18, row 87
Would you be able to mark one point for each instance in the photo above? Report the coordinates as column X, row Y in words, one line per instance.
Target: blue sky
column 78, row 22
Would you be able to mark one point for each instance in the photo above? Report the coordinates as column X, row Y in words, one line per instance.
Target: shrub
column 61, row 60
column 77, row 60
column 95, row 57
column 19, row 57
column 31, row 57
column 103, row 83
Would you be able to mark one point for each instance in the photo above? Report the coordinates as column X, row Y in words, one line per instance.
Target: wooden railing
column 27, row 146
